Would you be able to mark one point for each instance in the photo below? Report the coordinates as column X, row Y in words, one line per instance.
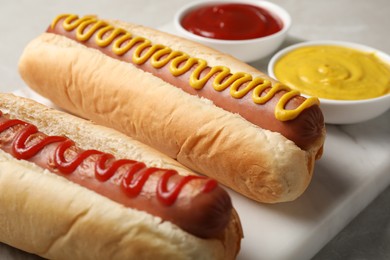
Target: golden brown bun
column 260, row 164
column 47, row 215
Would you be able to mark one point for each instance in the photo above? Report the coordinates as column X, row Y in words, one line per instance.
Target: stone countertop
column 368, row 235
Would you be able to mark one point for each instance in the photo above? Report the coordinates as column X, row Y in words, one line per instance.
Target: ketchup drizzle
column 104, row 172
column 132, row 182
column 19, row 149
column 164, row 194
column 106, row 165
column 68, row 167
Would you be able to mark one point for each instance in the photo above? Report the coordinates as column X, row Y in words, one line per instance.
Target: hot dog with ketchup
column 211, row 112
column 75, row 190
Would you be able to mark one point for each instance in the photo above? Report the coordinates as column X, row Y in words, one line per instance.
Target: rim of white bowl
column 275, row 9
column 380, row 54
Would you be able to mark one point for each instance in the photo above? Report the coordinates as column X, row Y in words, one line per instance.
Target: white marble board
column 354, row 169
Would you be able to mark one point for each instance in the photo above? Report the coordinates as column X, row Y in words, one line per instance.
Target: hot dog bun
column 258, row 163
column 47, row 215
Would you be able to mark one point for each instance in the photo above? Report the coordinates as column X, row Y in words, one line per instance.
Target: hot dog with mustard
column 211, row 112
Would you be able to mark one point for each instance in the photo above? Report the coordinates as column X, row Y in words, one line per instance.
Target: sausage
column 194, row 203
column 304, row 123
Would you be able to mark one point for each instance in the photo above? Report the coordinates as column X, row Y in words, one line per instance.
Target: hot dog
column 211, row 112
column 75, row 190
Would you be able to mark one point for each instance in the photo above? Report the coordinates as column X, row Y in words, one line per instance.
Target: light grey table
column 360, row 21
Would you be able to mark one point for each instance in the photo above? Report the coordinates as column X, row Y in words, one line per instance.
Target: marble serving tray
column 353, row 170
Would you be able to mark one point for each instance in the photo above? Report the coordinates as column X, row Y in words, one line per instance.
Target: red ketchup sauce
column 196, row 204
column 233, row 21
column 133, row 180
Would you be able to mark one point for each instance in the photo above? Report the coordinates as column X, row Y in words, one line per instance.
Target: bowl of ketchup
column 248, row 29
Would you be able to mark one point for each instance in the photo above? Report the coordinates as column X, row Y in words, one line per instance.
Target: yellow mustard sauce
column 179, row 63
column 334, row 72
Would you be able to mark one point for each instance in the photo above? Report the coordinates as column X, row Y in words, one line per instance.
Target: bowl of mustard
column 352, row 81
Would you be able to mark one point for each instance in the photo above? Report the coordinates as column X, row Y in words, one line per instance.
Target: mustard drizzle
column 160, row 55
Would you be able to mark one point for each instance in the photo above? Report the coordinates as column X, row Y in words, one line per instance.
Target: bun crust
column 45, row 214
column 260, row 164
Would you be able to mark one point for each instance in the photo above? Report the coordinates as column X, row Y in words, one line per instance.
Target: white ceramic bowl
column 245, row 50
column 343, row 111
